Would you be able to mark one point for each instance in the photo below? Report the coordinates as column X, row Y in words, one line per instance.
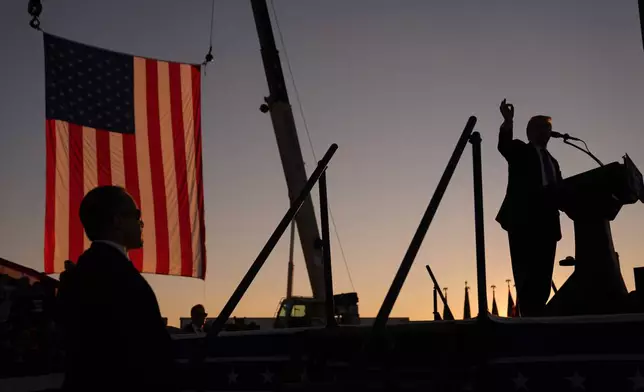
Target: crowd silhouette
column 29, row 337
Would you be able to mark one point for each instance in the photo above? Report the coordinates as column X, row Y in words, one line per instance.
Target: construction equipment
column 298, row 312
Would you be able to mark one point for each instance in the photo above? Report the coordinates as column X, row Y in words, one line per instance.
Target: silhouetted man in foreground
column 114, row 335
column 527, row 214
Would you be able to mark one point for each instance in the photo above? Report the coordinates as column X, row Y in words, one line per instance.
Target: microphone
column 563, row 136
column 567, row 137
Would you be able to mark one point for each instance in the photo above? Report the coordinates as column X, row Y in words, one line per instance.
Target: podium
column 592, row 200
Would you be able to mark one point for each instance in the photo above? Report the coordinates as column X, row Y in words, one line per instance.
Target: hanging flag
column 512, row 309
column 116, row 119
column 467, row 314
column 495, row 309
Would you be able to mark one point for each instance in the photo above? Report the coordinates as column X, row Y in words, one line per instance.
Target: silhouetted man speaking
column 527, row 214
column 115, row 339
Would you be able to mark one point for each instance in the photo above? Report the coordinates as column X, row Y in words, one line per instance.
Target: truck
column 298, row 312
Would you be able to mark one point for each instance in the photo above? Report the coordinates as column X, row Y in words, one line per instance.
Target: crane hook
column 209, row 56
column 34, row 9
column 208, row 59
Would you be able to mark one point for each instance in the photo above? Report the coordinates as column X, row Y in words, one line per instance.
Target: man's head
column 198, row 315
column 109, row 213
column 538, row 130
column 69, row 265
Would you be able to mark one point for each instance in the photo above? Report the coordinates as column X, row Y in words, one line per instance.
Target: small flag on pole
column 495, row 309
column 512, row 309
column 116, row 119
column 467, row 313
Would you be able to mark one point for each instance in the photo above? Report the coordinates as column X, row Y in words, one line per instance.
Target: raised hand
column 507, row 110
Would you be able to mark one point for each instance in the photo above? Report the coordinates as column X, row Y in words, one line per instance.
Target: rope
column 308, row 134
column 209, row 57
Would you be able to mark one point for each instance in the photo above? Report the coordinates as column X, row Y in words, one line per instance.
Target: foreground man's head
column 109, row 213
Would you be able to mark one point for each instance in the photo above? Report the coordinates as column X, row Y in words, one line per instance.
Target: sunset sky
column 392, row 83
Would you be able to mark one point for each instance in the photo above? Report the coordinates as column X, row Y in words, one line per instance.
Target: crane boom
column 289, row 147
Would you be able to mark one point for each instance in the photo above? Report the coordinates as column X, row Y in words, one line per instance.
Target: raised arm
column 505, row 132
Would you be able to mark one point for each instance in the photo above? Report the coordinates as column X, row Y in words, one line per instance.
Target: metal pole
column 417, row 240
column 436, row 304
column 270, row 55
column 482, row 373
column 467, row 312
column 326, row 252
column 291, row 265
column 447, row 312
column 641, row 12
column 479, row 227
column 440, row 293
column 270, row 244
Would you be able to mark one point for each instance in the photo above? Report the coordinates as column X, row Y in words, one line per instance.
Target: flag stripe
column 169, row 173
column 191, row 167
column 103, row 158
column 132, row 186
column 50, row 196
column 62, row 194
column 196, row 93
column 178, row 136
column 90, row 170
column 116, row 159
column 156, row 168
column 76, row 189
column 144, row 168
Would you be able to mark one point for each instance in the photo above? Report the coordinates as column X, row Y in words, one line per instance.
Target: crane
column 295, row 311
column 279, row 107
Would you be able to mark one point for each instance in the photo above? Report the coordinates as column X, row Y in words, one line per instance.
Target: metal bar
column 326, row 253
column 417, row 240
column 436, row 314
column 640, row 7
column 447, row 312
column 483, row 318
column 270, row 56
column 440, row 292
column 481, row 283
column 291, row 265
column 270, row 244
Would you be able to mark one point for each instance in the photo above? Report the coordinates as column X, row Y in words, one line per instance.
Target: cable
column 209, row 56
column 290, row 71
column 586, row 151
column 308, row 134
column 212, row 20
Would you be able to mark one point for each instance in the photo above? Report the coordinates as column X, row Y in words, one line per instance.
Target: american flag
column 117, row 119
